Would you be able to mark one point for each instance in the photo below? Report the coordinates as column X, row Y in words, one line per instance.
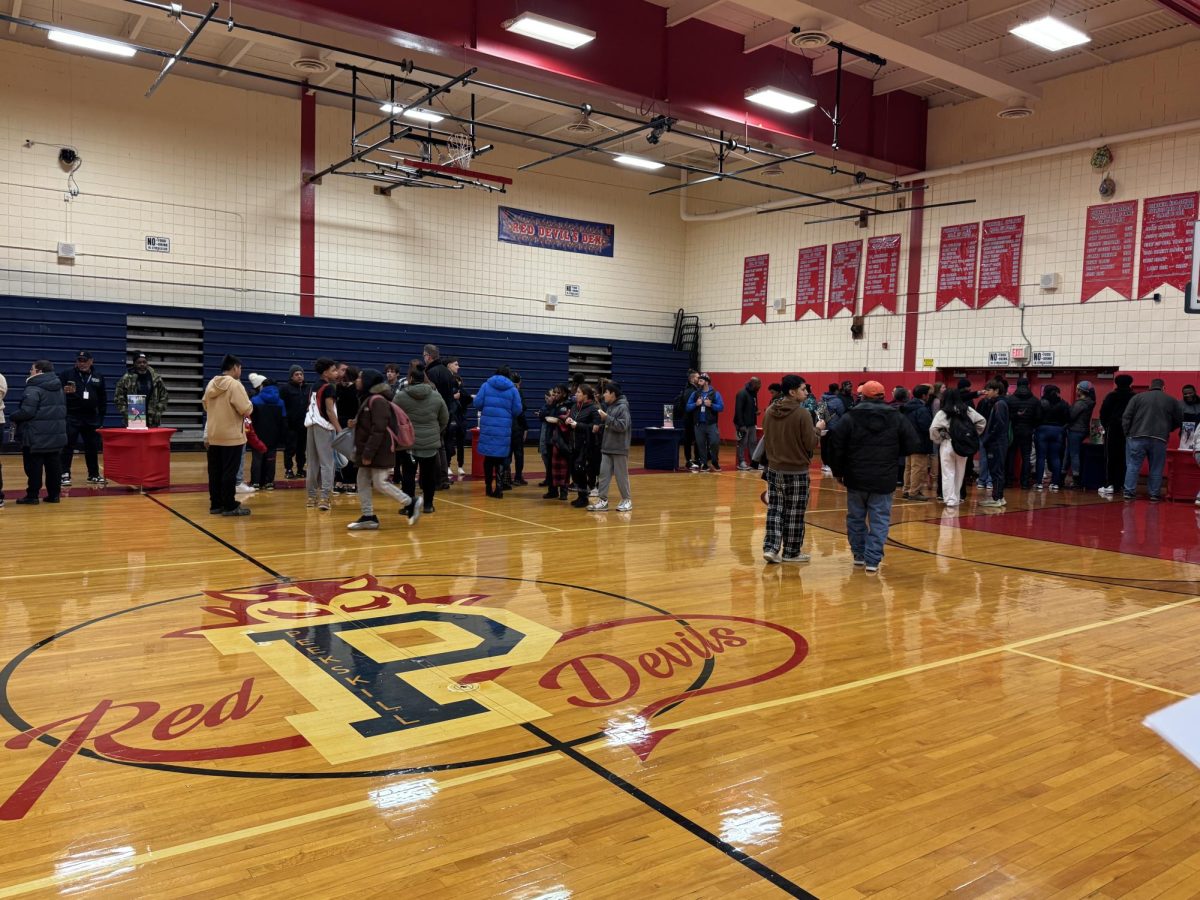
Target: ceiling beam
column 134, row 25
column 899, row 81
column 766, row 34
column 689, row 9
column 232, row 55
column 859, row 29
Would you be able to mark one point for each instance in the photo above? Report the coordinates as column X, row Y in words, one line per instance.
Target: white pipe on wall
column 961, row 168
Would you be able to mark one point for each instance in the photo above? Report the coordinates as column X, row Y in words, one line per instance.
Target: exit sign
column 1018, row 353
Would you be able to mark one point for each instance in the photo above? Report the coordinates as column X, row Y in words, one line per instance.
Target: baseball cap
column 140, row 355
column 704, row 376
column 872, row 389
column 83, row 354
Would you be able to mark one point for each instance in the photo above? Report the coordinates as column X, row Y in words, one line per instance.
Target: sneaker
column 1154, row 498
column 243, row 489
column 580, row 501
column 625, row 506
column 873, row 569
column 520, row 482
column 798, row 558
column 415, row 514
column 772, row 556
column 598, row 506
column 323, row 504
column 300, row 473
column 215, row 510
column 364, row 523
column 704, row 468
column 920, row 498
column 825, row 470
column 28, row 501
column 1125, row 495
column 57, row 499
column 716, row 467
column 991, row 503
column 310, row 503
column 1, row 503
column 66, row 479
column 289, row 474
column 742, row 467
column 859, row 561
column 694, row 466
column 905, row 496
column 1054, row 488
column 97, row 479
column 461, row 473
column 239, row 510
column 1038, row 487
column 1107, row 489
column 427, row 508
column 951, row 504
column 269, row 487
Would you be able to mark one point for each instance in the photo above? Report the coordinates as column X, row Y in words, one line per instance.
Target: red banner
column 844, row 263
column 754, row 287
column 882, row 273
column 1108, row 249
column 1166, row 241
column 957, row 259
column 810, row 281
column 1000, row 260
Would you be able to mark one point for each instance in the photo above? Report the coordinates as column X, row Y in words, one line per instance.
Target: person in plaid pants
column 790, row 441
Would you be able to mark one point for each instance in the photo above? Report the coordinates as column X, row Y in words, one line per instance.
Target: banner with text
column 810, row 281
column 754, row 287
column 1108, row 249
column 1166, row 241
column 844, row 263
column 882, row 273
column 518, row 226
column 1000, row 260
column 957, row 258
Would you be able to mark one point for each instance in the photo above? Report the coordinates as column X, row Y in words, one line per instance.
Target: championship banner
column 810, row 281
column 518, row 226
column 1000, row 260
column 957, row 259
column 1108, row 249
column 882, row 275
column 844, row 262
column 754, row 287
column 1166, row 241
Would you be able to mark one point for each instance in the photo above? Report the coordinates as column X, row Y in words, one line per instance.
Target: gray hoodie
column 618, row 429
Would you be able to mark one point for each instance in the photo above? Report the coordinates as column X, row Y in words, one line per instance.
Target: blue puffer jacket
column 501, row 403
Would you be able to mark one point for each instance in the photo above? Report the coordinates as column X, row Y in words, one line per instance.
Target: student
column 584, row 423
column 295, row 396
column 321, row 420
column 270, row 424
column 951, row 430
column 994, row 442
column 618, row 431
column 42, row 429
column 916, row 465
column 1051, row 438
column 374, row 420
column 707, row 404
column 427, row 411
column 499, row 403
column 227, row 406
column 790, row 439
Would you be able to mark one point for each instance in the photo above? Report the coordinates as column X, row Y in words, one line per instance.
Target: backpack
column 401, row 429
column 964, row 439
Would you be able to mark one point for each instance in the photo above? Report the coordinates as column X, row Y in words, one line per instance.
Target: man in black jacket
column 745, row 420
column 295, row 396
column 442, row 380
column 1025, row 415
column 863, row 448
column 1111, row 411
column 86, row 397
column 681, row 418
column 42, row 427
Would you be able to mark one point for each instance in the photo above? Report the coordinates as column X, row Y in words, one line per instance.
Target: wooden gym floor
column 518, row 699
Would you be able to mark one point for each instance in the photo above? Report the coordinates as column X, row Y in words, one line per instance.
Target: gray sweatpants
column 320, row 461
column 614, row 464
column 370, row 479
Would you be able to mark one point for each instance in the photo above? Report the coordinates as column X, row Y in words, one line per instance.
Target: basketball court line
column 220, row 540
column 1102, row 674
column 174, row 565
column 488, row 512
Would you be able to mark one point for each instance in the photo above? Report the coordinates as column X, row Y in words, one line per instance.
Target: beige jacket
column 227, row 406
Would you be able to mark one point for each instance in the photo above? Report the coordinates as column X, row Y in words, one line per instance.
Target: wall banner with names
column 882, row 273
column 844, row 262
column 810, row 281
column 1000, row 260
column 1108, row 249
column 518, row 226
column 754, row 287
column 957, row 260
column 1166, row 242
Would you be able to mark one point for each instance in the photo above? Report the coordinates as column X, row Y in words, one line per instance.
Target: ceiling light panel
column 89, row 42
column 779, row 99
column 1051, row 34
column 543, row 28
column 638, row 162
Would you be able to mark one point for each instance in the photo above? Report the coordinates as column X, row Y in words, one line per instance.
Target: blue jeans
column 1049, row 452
column 708, row 442
column 1141, row 448
column 985, row 474
column 1074, row 443
column 868, row 517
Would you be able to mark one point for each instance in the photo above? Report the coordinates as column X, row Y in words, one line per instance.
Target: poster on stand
column 958, row 258
column 810, row 281
column 754, row 287
column 1000, row 260
column 844, row 264
column 1108, row 249
column 882, row 273
column 1167, row 224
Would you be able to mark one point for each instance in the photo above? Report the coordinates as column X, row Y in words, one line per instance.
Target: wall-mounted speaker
column 779, row 304
column 551, row 301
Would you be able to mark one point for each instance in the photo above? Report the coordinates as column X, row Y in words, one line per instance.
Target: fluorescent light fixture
column 421, row 115
column 775, row 98
column 638, row 162
column 551, row 31
column 87, row 42
column 1051, row 34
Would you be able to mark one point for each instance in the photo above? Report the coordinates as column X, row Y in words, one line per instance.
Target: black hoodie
column 1024, row 409
column 866, row 443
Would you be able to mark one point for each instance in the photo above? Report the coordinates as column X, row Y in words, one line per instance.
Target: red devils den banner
column 1166, row 242
column 810, row 281
column 882, row 273
column 1000, row 260
column 844, row 264
column 1108, row 249
column 957, row 258
column 519, row 226
column 754, row 287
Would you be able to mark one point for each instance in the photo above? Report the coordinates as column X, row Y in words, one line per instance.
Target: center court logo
column 371, row 676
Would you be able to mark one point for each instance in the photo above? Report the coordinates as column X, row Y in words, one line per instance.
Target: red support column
column 916, row 229
column 308, row 203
